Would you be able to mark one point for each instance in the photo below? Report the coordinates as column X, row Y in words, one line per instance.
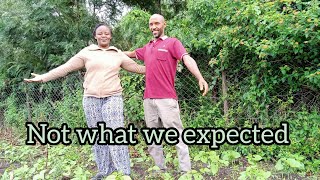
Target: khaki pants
column 165, row 113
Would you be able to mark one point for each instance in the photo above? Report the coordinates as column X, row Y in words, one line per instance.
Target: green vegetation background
column 268, row 50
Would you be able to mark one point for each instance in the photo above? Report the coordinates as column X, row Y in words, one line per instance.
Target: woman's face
column 103, row 36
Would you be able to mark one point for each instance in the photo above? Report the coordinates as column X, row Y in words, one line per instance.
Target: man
column 160, row 103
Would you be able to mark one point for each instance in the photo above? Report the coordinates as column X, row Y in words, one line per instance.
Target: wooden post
column 28, row 104
column 214, row 94
column 159, row 5
column 225, row 94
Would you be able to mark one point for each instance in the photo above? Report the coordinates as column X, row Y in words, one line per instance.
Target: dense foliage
column 38, row 36
column 268, row 50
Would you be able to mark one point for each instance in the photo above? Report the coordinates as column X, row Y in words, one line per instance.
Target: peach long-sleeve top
column 102, row 70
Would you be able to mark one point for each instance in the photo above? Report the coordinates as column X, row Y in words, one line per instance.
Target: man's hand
column 203, row 86
column 193, row 68
column 36, row 78
column 130, row 54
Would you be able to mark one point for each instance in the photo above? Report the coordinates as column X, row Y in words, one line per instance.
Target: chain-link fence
column 60, row 100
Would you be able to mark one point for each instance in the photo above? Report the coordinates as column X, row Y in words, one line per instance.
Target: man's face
column 157, row 25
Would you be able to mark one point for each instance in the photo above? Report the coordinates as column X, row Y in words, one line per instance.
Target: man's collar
column 94, row 47
column 162, row 38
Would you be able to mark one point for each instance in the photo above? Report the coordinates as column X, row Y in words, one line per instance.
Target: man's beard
column 156, row 35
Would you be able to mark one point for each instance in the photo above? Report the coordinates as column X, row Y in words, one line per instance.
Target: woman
column 102, row 99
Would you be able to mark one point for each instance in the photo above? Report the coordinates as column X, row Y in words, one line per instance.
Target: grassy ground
column 19, row 161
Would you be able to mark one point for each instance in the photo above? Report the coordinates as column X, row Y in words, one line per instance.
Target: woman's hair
column 98, row 25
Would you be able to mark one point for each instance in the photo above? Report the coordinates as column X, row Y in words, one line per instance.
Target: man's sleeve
column 140, row 53
column 178, row 50
column 132, row 66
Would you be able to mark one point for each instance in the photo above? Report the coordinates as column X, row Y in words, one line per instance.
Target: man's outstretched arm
column 193, row 68
column 130, row 54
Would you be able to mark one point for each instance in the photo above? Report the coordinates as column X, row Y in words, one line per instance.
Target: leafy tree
column 39, row 35
column 268, row 50
column 107, row 10
column 168, row 8
column 265, row 51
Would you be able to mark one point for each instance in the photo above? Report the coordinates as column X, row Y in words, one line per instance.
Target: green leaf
column 40, row 175
column 294, row 163
column 243, row 175
column 214, row 168
column 256, row 157
column 279, row 165
column 266, row 174
column 230, row 155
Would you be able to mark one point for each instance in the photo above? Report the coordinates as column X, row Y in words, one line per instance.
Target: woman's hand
column 36, row 78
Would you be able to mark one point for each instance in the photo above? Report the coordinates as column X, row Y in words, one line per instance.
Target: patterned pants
column 109, row 158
